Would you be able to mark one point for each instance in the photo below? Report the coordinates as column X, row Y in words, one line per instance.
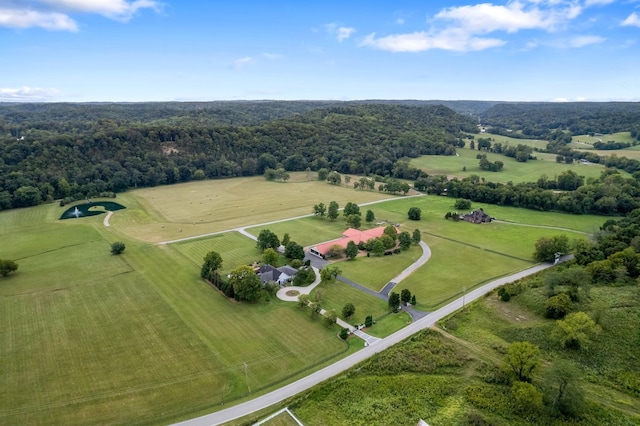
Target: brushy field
column 512, row 171
column 136, row 338
column 459, row 379
column 195, row 208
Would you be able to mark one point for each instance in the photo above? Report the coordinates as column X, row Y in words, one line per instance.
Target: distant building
column 477, row 216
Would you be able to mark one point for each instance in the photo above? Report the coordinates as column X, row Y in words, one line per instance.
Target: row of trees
column 611, row 194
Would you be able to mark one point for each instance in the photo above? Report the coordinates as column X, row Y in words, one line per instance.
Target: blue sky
column 153, row 50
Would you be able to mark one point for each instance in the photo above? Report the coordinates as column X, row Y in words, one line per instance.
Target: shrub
column 344, row 333
column 117, row 247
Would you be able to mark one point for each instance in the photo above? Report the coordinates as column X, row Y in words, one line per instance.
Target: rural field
column 513, row 171
column 140, row 336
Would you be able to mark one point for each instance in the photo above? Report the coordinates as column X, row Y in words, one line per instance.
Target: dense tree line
column 540, row 120
column 77, row 150
column 611, row 194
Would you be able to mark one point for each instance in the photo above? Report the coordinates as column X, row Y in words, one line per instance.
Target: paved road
column 338, row 367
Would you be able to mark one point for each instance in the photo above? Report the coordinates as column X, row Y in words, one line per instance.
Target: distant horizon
column 18, row 102
column 203, row 51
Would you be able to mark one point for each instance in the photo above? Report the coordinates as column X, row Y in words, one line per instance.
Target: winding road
column 340, row 366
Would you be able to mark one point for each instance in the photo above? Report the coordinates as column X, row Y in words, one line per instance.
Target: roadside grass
column 282, row 419
column 512, row 171
column 214, row 205
column 389, row 324
column 374, row 272
column 336, row 294
column 236, row 250
column 453, row 267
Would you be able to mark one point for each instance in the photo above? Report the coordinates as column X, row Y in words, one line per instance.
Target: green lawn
column 335, row 295
column 389, row 324
column 453, row 267
column 374, row 272
column 236, row 250
column 512, row 172
column 307, row 231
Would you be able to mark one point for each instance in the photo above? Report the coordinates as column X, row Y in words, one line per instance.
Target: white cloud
column 561, row 100
column 581, row 41
column 272, row 56
column 56, row 14
column 16, row 18
column 589, row 3
column 464, row 28
column 114, row 9
column 400, row 21
column 340, row 32
column 242, row 62
column 421, row 41
column 512, row 17
column 632, row 20
column 27, row 94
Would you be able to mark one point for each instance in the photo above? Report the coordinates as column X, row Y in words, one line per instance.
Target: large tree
column 332, row 213
column 351, row 251
column 246, row 284
column 351, row 208
column 414, row 213
column 547, row 248
column 370, row 216
column 394, row 301
column 348, row 310
column 267, row 239
column 294, row 250
column 522, row 359
column 405, row 296
column 212, row 263
column 576, row 330
column 404, row 239
column 270, row 256
column 319, row 209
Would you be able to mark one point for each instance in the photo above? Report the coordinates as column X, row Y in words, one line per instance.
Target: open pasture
column 235, row 249
column 215, row 205
column 453, row 267
column 88, row 335
column 506, row 140
column 512, row 171
column 586, row 141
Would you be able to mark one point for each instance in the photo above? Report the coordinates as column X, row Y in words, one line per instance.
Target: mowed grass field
column 466, row 164
column 138, row 338
column 89, row 337
column 196, row 208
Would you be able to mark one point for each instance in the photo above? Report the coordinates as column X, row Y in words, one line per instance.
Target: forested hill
column 536, row 119
column 78, row 150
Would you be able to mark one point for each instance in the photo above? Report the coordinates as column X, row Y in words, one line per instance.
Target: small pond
column 89, row 209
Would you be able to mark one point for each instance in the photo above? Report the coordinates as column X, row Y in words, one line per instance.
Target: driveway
column 342, row 365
